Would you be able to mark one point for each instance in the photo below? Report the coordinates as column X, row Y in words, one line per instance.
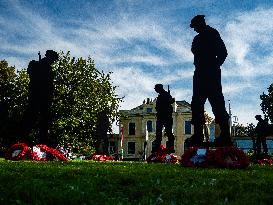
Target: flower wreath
column 225, row 157
column 190, row 154
column 100, row 157
column 19, row 151
column 230, row 157
column 162, row 156
column 49, row 154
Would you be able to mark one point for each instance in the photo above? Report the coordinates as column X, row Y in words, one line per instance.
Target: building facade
column 137, row 129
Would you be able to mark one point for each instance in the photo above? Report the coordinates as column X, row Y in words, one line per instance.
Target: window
column 187, row 127
column 131, row 147
column 149, row 126
column 149, row 109
column 132, row 128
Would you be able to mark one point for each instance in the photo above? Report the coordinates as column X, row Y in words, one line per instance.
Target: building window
column 131, row 147
column 187, row 127
column 132, row 128
column 149, row 109
column 149, row 126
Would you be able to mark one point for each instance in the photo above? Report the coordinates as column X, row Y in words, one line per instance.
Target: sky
column 144, row 42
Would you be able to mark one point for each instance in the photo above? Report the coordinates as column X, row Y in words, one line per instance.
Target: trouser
column 38, row 110
column 261, row 140
column 167, row 122
column 207, row 85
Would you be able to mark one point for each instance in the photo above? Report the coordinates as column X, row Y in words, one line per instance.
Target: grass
column 90, row 182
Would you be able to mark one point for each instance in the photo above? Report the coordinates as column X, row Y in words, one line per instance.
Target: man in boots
column 40, row 96
column 164, row 118
column 209, row 54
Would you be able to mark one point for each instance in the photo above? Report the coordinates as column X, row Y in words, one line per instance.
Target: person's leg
column 29, row 120
column 45, row 122
column 156, row 143
column 263, row 139
column 168, row 128
column 258, row 145
column 217, row 102
column 197, row 107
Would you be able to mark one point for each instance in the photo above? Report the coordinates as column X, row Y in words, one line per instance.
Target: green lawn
column 89, row 182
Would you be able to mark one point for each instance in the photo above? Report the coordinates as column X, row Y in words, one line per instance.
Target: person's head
column 198, row 23
column 258, row 117
column 158, row 88
column 52, row 56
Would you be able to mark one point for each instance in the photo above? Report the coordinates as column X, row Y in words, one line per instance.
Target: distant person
column 261, row 130
column 164, row 118
column 209, row 54
column 40, row 96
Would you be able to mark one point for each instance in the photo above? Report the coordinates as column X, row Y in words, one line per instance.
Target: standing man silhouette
column 164, row 118
column 261, row 130
column 40, row 96
column 209, row 54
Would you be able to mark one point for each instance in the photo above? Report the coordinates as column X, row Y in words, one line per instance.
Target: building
column 138, row 126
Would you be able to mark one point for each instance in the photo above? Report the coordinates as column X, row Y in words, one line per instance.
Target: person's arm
column 221, row 50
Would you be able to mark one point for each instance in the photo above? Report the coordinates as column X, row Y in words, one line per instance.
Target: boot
column 224, row 139
column 197, row 138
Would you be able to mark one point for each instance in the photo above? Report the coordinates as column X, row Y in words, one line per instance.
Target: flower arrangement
column 19, row 151
column 224, row 157
column 162, row 156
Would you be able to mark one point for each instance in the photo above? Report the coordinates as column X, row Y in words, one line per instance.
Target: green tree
column 13, row 95
column 267, row 103
column 81, row 92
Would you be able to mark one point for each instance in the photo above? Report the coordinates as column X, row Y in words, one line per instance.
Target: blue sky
column 147, row 42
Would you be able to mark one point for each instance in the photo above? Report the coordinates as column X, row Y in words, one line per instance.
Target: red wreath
column 22, row 155
column 225, row 157
column 230, row 157
column 264, row 161
column 162, row 156
column 190, row 153
column 100, row 157
column 50, row 153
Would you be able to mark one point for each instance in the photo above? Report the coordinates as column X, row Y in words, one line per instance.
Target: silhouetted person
column 40, row 95
column 261, row 131
column 209, row 54
column 102, row 127
column 164, row 118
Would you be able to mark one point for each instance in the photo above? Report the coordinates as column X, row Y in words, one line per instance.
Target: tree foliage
column 267, row 103
column 13, row 96
column 81, row 92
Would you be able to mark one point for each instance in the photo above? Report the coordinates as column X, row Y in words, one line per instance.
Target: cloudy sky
column 144, row 42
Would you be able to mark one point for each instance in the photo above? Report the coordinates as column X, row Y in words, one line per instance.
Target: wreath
column 19, row 151
column 162, row 156
column 192, row 159
column 230, row 157
column 225, row 157
column 100, row 157
column 47, row 153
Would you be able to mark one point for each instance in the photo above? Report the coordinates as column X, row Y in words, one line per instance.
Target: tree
column 81, row 92
column 13, row 95
column 267, row 103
